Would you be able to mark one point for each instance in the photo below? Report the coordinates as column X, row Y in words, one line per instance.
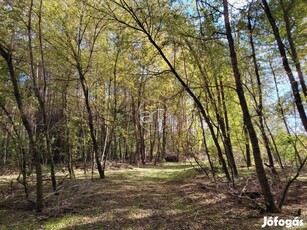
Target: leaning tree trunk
column 90, row 121
column 7, row 55
column 185, row 86
column 264, row 183
column 283, row 54
column 196, row 101
column 260, row 100
column 283, row 116
column 224, row 125
column 292, row 46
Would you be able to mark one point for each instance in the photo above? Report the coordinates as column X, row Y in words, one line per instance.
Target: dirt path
column 141, row 198
column 168, row 197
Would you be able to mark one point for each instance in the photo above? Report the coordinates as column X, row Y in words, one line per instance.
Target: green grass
column 139, row 198
column 61, row 223
column 166, row 173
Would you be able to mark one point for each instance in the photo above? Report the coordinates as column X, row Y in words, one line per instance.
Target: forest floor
column 169, row 196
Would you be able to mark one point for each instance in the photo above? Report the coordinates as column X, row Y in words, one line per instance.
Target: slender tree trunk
column 136, row 126
column 69, row 157
column 152, row 141
column 275, row 145
column 7, row 55
column 24, row 171
column 22, row 150
column 247, row 148
column 40, row 98
column 206, row 147
column 142, row 144
column 268, row 196
column 283, row 116
column 90, row 121
column 295, row 58
column 283, row 54
column 159, row 151
column 223, row 122
column 283, row 198
column 164, row 150
column 5, row 148
column 260, row 101
column 227, row 144
column 106, row 143
column 120, row 149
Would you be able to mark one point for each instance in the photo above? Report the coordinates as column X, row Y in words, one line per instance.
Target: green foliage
column 108, row 43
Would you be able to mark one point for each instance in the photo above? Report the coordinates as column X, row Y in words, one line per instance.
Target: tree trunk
column 7, row 55
column 266, row 190
column 69, row 157
column 91, row 126
column 283, row 116
column 5, row 148
column 283, row 54
column 259, row 104
column 22, row 150
column 152, row 141
column 292, row 46
column 142, row 144
column 137, row 126
column 209, row 123
column 196, row 101
column 163, row 150
column 274, row 145
column 37, row 93
column 247, row 148
column 206, row 147
column 224, row 125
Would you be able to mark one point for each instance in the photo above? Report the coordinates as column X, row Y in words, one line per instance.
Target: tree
column 268, row 196
column 286, row 9
column 7, row 55
column 146, row 29
column 80, row 42
column 259, row 103
column 281, row 47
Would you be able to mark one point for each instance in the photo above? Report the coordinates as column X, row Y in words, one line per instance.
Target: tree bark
column 206, row 147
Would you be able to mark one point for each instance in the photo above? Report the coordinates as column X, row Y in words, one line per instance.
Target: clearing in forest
column 170, row 196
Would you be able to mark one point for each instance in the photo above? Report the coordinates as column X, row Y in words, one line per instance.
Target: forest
column 143, row 114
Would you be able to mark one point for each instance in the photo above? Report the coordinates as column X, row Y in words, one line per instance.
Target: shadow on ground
column 172, row 196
